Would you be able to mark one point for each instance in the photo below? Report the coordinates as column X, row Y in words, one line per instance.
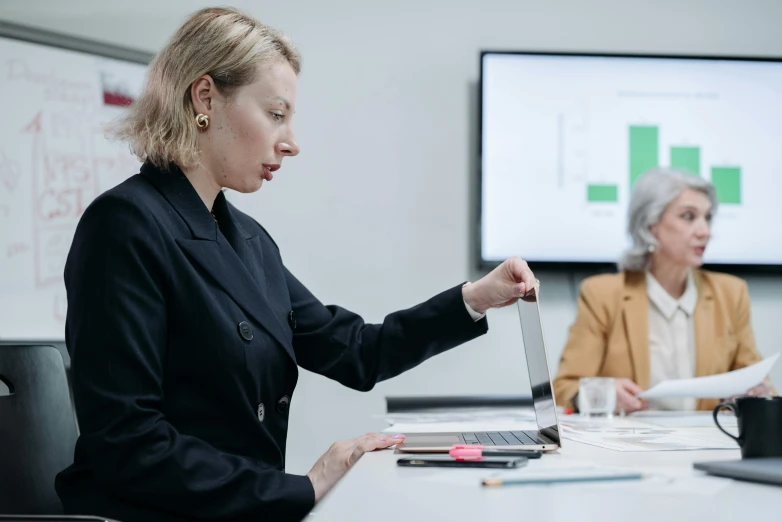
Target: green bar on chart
column 644, row 150
column 687, row 159
column 602, row 193
column 727, row 182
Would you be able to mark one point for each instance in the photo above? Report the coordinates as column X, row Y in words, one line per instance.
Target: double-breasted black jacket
column 185, row 335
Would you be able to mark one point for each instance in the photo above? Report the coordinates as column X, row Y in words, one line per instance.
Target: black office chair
column 38, row 429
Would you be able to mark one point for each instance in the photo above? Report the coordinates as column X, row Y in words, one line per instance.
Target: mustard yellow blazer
column 610, row 337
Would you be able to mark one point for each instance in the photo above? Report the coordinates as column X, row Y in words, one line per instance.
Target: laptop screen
column 537, row 363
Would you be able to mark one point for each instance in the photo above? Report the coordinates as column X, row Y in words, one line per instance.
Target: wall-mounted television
column 564, row 136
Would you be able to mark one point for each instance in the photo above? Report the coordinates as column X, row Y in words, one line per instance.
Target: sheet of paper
column 714, row 386
column 543, row 468
column 475, row 479
column 684, row 419
column 658, row 483
column 649, row 438
column 600, row 423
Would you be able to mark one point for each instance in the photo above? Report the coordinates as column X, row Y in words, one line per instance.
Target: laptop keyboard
column 501, row 438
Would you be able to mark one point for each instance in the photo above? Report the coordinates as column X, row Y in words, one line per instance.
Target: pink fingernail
column 399, row 436
column 520, row 288
column 383, row 439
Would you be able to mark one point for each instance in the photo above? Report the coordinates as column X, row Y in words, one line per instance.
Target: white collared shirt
column 671, row 339
column 475, row 315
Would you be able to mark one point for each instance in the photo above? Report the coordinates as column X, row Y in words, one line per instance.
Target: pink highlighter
column 478, row 451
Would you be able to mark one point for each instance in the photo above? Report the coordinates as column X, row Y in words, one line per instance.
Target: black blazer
column 185, row 338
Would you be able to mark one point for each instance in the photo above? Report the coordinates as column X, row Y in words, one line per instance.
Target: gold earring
column 202, row 120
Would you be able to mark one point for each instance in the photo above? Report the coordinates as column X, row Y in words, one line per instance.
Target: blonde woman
column 661, row 317
column 184, row 327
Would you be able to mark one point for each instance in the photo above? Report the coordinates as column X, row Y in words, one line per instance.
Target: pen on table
column 493, row 482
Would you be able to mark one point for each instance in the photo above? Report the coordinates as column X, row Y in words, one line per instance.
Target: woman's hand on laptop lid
column 503, row 286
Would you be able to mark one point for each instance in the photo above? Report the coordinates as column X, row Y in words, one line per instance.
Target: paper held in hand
column 719, row 386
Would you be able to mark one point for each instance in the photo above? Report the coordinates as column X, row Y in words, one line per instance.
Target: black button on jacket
column 178, row 328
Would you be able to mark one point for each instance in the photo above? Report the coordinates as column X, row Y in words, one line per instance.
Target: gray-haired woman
column 661, row 317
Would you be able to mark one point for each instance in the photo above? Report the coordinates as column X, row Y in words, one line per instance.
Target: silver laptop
column 546, row 437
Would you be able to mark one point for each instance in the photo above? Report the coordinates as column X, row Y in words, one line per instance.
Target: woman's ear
column 653, row 231
column 202, row 93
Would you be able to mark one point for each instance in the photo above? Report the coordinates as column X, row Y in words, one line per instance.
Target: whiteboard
column 54, row 160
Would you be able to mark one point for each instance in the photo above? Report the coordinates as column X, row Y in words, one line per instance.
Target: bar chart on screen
column 581, row 131
column 644, row 153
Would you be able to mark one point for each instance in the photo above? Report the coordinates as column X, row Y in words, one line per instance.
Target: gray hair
column 652, row 193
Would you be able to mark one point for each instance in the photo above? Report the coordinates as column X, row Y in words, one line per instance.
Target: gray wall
column 376, row 213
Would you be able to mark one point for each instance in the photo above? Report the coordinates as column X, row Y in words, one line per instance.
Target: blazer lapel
column 222, row 263
column 246, row 246
column 210, row 249
column 705, row 337
column 636, row 322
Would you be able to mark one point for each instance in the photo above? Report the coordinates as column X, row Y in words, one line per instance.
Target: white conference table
column 378, row 490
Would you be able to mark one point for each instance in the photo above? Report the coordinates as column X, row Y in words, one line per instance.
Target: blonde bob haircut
column 224, row 43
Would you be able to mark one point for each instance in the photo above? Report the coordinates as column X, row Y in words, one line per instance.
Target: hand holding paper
column 714, row 386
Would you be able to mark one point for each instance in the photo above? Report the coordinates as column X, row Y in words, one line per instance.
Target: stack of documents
column 632, row 435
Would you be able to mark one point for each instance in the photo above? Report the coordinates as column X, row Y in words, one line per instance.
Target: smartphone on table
column 443, row 461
